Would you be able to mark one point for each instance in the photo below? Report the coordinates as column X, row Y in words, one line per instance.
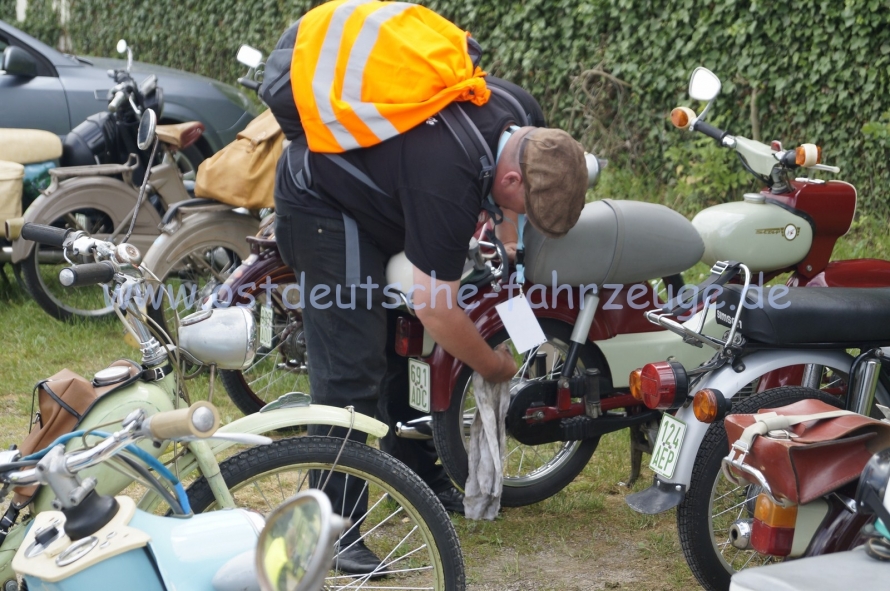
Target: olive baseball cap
column 555, row 175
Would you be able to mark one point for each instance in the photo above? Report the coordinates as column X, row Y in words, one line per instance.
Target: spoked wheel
column 532, row 473
column 40, row 271
column 405, row 525
column 279, row 367
column 713, row 503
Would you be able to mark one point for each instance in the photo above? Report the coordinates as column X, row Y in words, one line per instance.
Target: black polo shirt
column 429, row 195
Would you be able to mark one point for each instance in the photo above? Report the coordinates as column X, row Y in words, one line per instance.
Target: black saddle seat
column 810, row 316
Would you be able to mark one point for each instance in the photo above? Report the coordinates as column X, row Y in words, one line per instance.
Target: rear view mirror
column 704, row 85
column 18, row 62
column 249, row 56
column 296, row 547
column 146, row 133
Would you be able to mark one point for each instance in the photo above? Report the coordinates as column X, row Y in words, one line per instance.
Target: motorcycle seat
column 614, row 242
column 28, row 146
column 834, row 317
column 180, row 135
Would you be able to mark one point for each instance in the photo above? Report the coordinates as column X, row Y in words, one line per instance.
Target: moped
column 99, row 198
column 553, row 423
column 90, row 537
column 403, row 513
column 812, row 327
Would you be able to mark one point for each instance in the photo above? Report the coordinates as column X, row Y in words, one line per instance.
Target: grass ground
column 583, row 538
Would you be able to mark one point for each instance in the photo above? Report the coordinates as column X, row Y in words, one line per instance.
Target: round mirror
column 704, row 85
column 146, row 133
column 122, row 46
column 249, row 56
column 296, row 547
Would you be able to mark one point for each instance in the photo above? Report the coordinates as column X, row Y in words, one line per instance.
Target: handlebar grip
column 248, row 83
column 200, row 420
column 117, row 101
column 709, row 130
column 86, row 274
column 43, row 234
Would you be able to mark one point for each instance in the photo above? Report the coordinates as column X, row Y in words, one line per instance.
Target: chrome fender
column 265, row 422
column 666, row 494
column 108, row 195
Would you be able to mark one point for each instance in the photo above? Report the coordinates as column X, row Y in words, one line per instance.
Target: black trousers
column 350, row 342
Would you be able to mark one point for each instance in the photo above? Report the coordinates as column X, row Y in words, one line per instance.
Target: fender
column 621, row 318
column 109, row 195
column 264, row 422
column 666, row 494
column 201, row 229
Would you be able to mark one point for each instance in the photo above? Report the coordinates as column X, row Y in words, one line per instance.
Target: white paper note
column 522, row 326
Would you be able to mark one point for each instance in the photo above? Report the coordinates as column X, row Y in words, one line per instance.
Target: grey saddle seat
column 811, row 316
column 614, row 242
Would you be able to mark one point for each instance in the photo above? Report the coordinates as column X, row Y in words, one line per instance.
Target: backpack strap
column 470, row 139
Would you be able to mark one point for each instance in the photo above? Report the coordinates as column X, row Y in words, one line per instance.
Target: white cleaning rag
column 488, row 438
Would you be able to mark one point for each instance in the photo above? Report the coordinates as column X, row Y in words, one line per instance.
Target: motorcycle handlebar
column 249, row 83
column 117, row 102
column 199, row 420
column 709, row 130
column 86, row 274
column 43, row 234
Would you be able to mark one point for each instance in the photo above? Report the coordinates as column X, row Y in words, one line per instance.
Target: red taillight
column 664, row 385
column 773, row 529
column 409, row 337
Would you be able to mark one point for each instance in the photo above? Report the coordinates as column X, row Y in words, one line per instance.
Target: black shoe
column 452, row 499
column 357, row 560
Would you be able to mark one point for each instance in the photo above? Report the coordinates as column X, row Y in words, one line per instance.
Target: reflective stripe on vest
column 364, row 71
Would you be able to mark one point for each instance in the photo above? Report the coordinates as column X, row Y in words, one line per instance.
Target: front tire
column 41, row 280
column 405, row 525
column 531, row 473
column 713, row 503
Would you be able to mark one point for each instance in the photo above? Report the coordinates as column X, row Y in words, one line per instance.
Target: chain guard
column 533, row 394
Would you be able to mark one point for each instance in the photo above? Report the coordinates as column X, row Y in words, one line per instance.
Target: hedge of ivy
column 608, row 70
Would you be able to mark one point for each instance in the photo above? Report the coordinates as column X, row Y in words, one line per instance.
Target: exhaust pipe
column 740, row 534
column 420, row 428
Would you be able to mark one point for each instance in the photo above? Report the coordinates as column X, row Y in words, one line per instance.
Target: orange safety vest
column 364, row 71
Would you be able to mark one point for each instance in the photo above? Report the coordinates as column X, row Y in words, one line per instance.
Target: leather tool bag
column 63, row 400
column 242, row 174
column 802, row 451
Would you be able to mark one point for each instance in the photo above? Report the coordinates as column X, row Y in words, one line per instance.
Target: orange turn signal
column 774, row 515
column 682, row 116
column 636, row 387
column 710, row 405
column 808, row 155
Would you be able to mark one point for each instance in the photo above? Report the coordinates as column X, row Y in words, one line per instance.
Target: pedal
column 578, row 428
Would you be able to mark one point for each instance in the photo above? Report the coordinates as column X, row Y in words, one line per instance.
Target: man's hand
column 435, row 303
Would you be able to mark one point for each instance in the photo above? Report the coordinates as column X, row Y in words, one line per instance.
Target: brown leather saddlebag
column 810, row 457
column 62, row 402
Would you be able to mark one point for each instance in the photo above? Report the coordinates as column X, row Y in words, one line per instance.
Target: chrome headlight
column 225, row 337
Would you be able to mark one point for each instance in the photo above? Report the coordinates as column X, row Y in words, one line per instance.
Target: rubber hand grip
column 117, row 101
column 45, row 234
column 709, row 130
column 200, row 420
column 248, row 83
column 86, row 274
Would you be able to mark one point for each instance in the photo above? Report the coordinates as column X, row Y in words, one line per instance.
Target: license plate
column 419, row 385
column 266, row 314
column 667, row 446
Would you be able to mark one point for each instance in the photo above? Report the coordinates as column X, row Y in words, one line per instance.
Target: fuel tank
column 762, row 235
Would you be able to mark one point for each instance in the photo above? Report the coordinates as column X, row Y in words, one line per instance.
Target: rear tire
column 536, row 472
column 404, row 517
column 709, row 555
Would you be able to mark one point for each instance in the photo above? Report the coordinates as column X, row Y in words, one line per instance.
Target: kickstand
column 638, row 445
